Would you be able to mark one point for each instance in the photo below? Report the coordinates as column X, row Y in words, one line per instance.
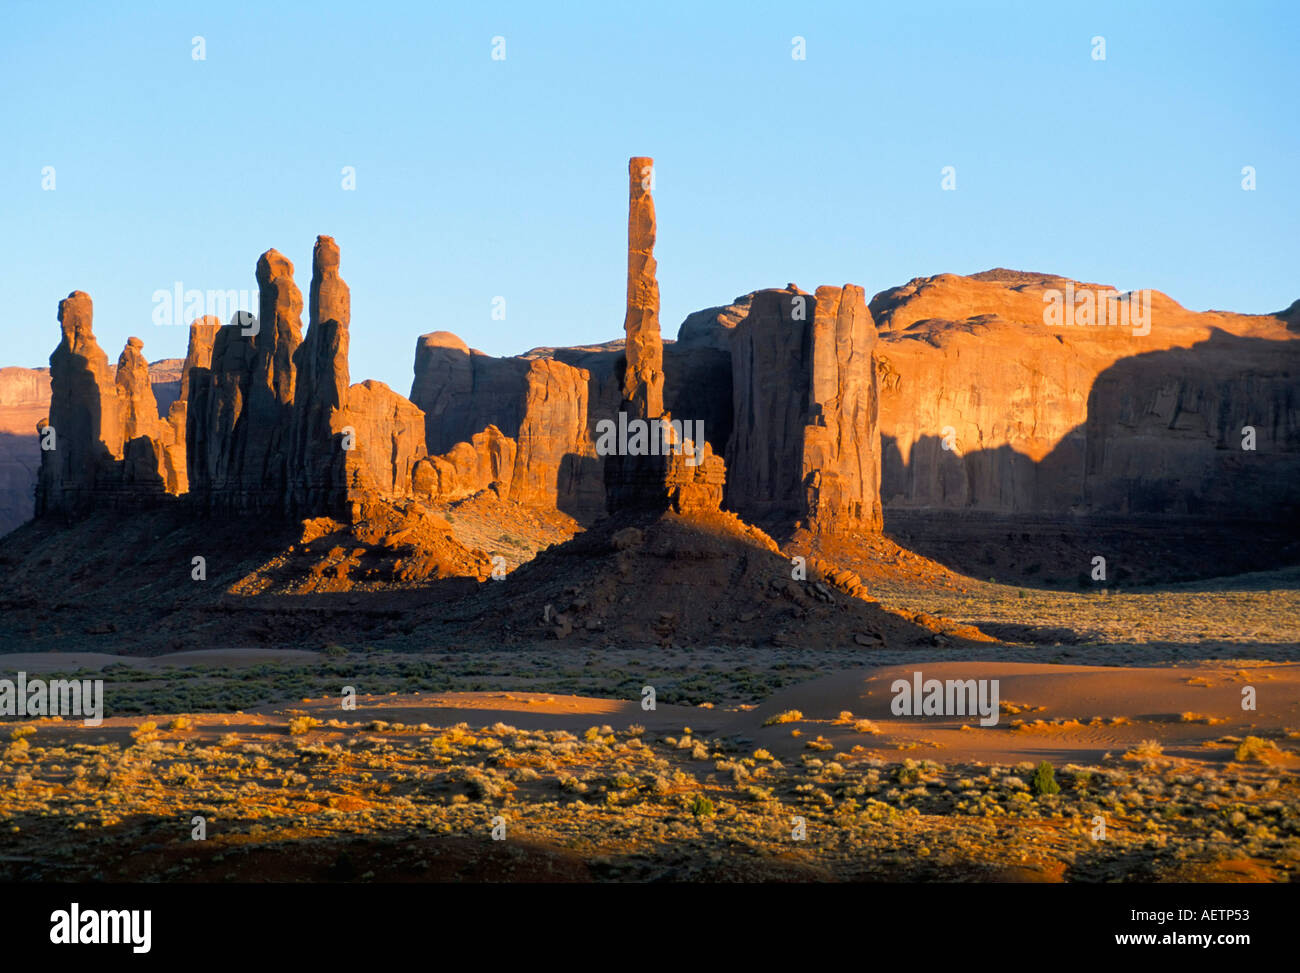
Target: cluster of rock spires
column 946, row 394
column 266, row 421
column 104, row 441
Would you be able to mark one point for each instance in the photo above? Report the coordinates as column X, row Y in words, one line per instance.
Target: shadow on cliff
column 20, row 462
column 1156, row 480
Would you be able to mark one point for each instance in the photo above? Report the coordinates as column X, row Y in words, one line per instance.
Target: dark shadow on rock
column 1156, row 480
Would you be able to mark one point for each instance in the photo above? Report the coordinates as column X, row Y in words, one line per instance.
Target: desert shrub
column 181, row 723
column 1044, row 780
column 1148, row 749
column 302, row 724
column 789, row 716
column 1253, row 748
column 335, row 650
column 702, row 807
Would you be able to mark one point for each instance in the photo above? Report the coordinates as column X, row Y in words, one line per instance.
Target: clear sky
column 478, row 178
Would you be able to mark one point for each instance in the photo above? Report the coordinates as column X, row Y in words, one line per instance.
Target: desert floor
column 767, row 762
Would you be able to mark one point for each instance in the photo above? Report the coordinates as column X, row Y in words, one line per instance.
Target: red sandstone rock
column 841, row 443
column 83, row 412
column 24, row 401
column 388, row 439
column 318, row 479
column 486, row 462
column 203, row 332
column 556, row 460
column 136, row 403
column 643, row 381
column 1080, row 419
column 539, row 404
column 804, row 388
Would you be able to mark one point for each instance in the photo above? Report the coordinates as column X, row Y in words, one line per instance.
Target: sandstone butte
column 947, row 395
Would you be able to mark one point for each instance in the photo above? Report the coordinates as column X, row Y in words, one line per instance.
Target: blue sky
column 478, row 178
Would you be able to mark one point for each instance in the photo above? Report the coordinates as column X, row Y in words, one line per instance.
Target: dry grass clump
column 789, row 716
column 1255, row 749
column 1146, row 750
column 299, row 725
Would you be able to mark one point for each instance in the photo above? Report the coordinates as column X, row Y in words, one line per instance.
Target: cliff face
column 985, row 407
column 1166, row 432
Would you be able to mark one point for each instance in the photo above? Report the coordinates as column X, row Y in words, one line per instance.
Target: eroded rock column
column 87, row 430
column 643, row 382
column 321, row 395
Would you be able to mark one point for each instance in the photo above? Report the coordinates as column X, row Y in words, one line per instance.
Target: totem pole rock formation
column 681, row 477
column 643, row 380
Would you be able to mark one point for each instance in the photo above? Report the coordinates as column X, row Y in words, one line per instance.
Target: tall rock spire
column 84, row 412
column 317, row 457
column 643, row 382
column 673, row 472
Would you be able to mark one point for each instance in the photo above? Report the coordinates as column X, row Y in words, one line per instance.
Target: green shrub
column 702, row 807
column 1044, row 781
